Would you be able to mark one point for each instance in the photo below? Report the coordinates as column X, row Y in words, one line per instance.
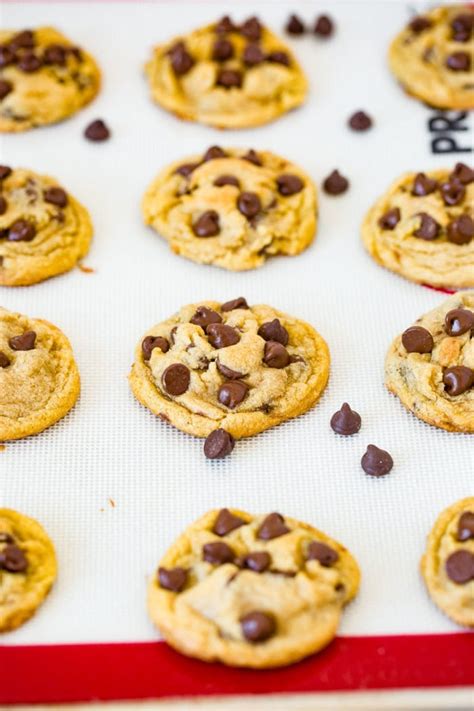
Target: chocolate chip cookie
column 430, row 367
column 39, row 380
column 231, row 366
column 44, row 78
column 227, row 75
column 27, row 568
column 432, row 57
column 231, row 207
column 448, row 563
column 251, row 591
column 44, row 231
column 423, row 227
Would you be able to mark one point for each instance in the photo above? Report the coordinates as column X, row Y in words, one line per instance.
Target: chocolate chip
column 360, row 121
column 419, row 24
column 278, row 57
column 228, row 373
column 335, row 183
column 3, row 205
column 5, row 171
column 7, row 56
column 6, row 537
column 204, row 317
column 218, row 444
column 295, row 26
column 458, row 321
column 466, row 526
column 4, row 361
column 429, row 229
column 13, row 559
column 229, row 78
column 207, row 225
column 323, row 553
column 460, row 230
column 226, row 522
column 149, row 343
column 458, row 379
column 217, row 553
column 417, row 339
column 221, row 335
column 251, row 29
column 390, row 219
column 463, row 173
column 252, row 157
column 226, row 180
column 458, row 62
column 324, row 26
column 239, row 303
column 258, row 626
column 376, row 462
column 274, row 331
column 272, row 526
column 214, row 152
column 5, row 88
column 252, row 55
column 452, row 192
column 346, row 421
column 176, row 379
column 249, row 204
column 225, row 25
column 423, row 185
column 258, row 562
column 289, row 184
column 222, row 50
column 232, row 393
column 97, row 131
column 25, row 342
column 276, row 355
column 460, row 567
column 55, row 54
column 56, row 196
column 181, row 60
column 29, row 63
column 462, row 26
column 21, row 231
column 173, row 579
column 186, row 169
column 23, row 40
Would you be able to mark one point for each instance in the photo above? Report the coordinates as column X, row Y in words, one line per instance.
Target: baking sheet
column 112, row 484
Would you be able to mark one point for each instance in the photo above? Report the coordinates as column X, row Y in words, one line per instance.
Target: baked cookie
column 448, row 563
column 423, row 228
column 44, row 78
column 251, row 591
column 39, row 380
column 231, row 366
column 233, row 208
column 432, row 57
column 44, row 231
column 27, row 568
column 227, row 75
column 430, row 367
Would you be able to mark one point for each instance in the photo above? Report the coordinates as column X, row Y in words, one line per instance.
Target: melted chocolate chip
column 29, row 63
column 97, row 131
column 458, row 380
column 181, row 60
column 226, row 522
column 452, row 192
column 289, row 184
column 417, row 339
column 204, row 317
column 5, row 88
column 207, row 225
column 23, row 40
column 214, row 152
column 390, row 219
column 13, row 559
column 460, row 230
column 463, row 173
column 466, row 526
column 218, row 444
column 21, row 231
column 221, row 335
column 228, row 373
column 423, row 185
column 225, row 25
column 173, row 579
column 460, row 567
column 335, row 183
column 458, row 321
column 217, row 553
column 272, row 526
column 226, row 180
column 186, row 169
column 176, row 379
column 274, row 331
column 3, row 205
column 258, row 626
column 419, row 24
column 251, row 29
column 4, row 362
column 5, row 171
column 55, row 54
column 239, row 303
column 294, row 26
column 376, row 462
column 276, row 355
column 252, row 157
column 7, row 56
column 429, row 229
column 222, row 50
column 249, row 204
column 324, row 26
column 458, row 62
column 346, row 421
column 229, row 78
column 56, row 196
column 278, row 57
column 25, row 342
column 323, row 553
column 232, row 393
column 462, row 26
column 149, row 343
column 252, row 55
column 360, row 121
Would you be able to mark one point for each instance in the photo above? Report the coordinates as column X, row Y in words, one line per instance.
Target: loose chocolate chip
column 5, row 171
column 429, row 229
column 217, row 553
column 251, row 29
column 55, row 54
column 5, row 88
column 376, row 462
column 452, row 192
column 322, row 553
column 346, row 421
column 390, row 219
column 6, row 537
column 239, row 303
column 214, row 152
column 289, row 184
column 181, row 60
column 218, row 444
column 458, row 62
column 272, row 526
column 458, row 379
column 258, row 562
column 4, row 361
column 222, row 50
column 221, row 335
column 226, row 522
column 228, row 372
column 335, row 183
column 56, row 196
column 423, row 185
column 25, row 342
column 97, row 131
column 295, row 26
column 226, row 180
column 229, row 78
column 3, row 205
column 13, row 559
column 276, row 355
column 207, row 225
column 258, row 626
column 7, row 56
column 176, row 379
column 360, row 121
column 186, row 169
column 204, row 317
column 173, row 579
column 460, row 567
column 249, row 204
column 466, row 526
column 274, row 331
column 232, row 393
column 463, row 173
column 21, row 231
column 324, row 26
column 419, row 24
column 278, row 58
column 461, row 230
column 149, row 343
column 225, row 25
column 417, row 339
column 458, row 321
column 29, row 63
column 252, row 157
column 252, row 55
column 23, row 40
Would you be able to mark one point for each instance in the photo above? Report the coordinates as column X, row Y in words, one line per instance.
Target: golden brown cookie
column 39, row 380
column 44, row 78
column 423, row 228
column 229, row 366
column 27, row 568
column 448, row 563
column 227, row 75
column 44, row 231
column 251, row 591
column 430, row 367
column 432, row 57
column 232, row 207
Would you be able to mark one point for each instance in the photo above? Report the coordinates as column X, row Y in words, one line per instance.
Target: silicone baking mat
column 114, row 485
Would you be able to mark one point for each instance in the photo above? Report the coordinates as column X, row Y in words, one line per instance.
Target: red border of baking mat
column 106, row 672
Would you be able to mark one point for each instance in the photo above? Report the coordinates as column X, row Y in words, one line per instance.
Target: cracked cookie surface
column 39, row 380
column 232, row 207
column 432, row 57
column 44, row 78
column 232, row 366
column 251, row 591
column 448, row 563
column 44, row 231
column 27, row 568
column 227, row 75
column 423, row 228
column 430, row 367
